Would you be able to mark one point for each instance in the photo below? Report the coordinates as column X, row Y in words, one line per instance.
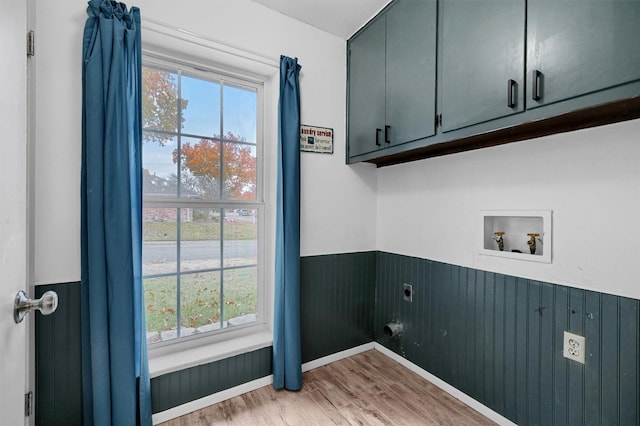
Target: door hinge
column 31, row 44
column 28, row 403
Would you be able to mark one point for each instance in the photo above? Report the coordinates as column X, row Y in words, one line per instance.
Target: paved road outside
column 165, row 251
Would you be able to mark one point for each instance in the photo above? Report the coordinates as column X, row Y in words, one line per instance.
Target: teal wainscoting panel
column 560, row 368
column 58, row 392
column 499, row 339
column 576, row 370
column 629, row 344
column 180, row 387
column 495, row 337
column 337, row 293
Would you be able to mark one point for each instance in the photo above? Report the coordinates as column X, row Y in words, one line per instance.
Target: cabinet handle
column 387, row 131
column 537, row 76
column 511, row 93
column 378, row 136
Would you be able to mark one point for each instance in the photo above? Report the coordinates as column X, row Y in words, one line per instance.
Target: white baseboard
column 206, row 401
column 336, row 357
column 198, row 404
column 456, row 393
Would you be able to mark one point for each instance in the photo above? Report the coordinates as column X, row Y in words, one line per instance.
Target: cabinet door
column 411, row 70
column 366, row 89
column 482, row 71
column 579, row 47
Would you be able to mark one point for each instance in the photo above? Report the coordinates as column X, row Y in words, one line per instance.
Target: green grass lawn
column 200, row 303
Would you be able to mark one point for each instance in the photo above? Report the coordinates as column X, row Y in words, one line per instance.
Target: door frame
column 31, row 202
column 15, row 368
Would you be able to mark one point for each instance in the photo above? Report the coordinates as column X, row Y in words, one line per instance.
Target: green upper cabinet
column 392, row 78
column 411, row 70
column 481, row 61
column 366, row 88
column 506, row 70
column 579, row 47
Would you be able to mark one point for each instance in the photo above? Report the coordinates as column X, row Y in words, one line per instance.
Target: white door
column 13, row 207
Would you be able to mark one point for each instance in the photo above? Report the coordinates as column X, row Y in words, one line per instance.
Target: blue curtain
column 287, row 359
column 115, row 377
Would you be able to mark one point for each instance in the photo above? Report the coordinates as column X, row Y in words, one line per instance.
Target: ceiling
column 340, row 17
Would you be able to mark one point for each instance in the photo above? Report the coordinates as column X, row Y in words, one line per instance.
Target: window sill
column 208, row 352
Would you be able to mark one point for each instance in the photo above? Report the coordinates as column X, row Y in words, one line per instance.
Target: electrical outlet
column 407, row 292
column 574, row 347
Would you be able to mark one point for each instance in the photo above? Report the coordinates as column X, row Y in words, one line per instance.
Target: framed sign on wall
column 316, row 139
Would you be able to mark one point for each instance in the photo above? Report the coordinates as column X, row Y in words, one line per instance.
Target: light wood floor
column 365, row 389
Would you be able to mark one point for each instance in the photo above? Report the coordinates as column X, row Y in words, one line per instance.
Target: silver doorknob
column 47, row 304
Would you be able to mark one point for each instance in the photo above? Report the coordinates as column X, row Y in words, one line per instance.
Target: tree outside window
column 200, row 252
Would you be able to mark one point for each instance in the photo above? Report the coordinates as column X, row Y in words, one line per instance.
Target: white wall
column 589, row 178
column 338, row 201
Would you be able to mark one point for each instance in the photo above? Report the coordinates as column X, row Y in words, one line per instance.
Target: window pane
column 200, row 168
column 240, row 237
column 159, row 169
column 199, row 145
column 201, row 107
column 159, row 102
column 240, row 174
column 240, row 112
column 200, row 303
column 160, row 299
column 200, row 239
column 240, row 295
column 159, row 234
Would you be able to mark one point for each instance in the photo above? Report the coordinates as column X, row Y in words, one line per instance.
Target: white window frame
column 193, row 350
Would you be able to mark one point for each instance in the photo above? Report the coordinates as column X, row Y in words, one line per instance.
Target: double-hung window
column 202, row 202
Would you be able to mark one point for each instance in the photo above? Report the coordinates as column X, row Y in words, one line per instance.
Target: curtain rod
column 230, row 48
